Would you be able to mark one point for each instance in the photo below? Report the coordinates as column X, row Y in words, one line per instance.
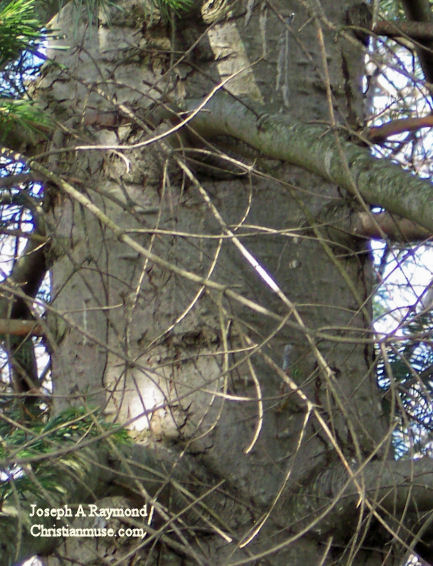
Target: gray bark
column 262, row 395
column 323, row 152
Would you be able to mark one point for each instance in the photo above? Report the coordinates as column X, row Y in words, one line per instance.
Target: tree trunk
column 260, row 370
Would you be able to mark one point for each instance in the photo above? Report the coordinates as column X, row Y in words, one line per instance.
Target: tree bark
column 217, row 304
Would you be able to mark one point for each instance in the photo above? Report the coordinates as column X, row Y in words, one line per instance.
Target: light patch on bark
column 221, row 41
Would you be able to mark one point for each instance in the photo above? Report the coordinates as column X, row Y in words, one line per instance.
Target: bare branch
column 323, row 152
column 18, row 327
column 421, row 31
column 395, row 228
column 379, row 134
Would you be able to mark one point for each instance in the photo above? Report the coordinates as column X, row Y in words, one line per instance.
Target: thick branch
column 15, row 180
column 421, row 31
column 86, row 472
column 397, row 485
column 322, row 151
column 384, row 224
column 26, row 276
column 420, row 10
column 17, row 327
column 379, row 134
column 390, row 490
column 94, row 470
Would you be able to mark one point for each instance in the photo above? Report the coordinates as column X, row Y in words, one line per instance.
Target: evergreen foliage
column 20, row 36
column 177, row 6
column 19, row 29
column 406, row 377
column 40, row 440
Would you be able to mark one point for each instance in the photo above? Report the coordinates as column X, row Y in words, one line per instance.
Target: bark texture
column 223, row 309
